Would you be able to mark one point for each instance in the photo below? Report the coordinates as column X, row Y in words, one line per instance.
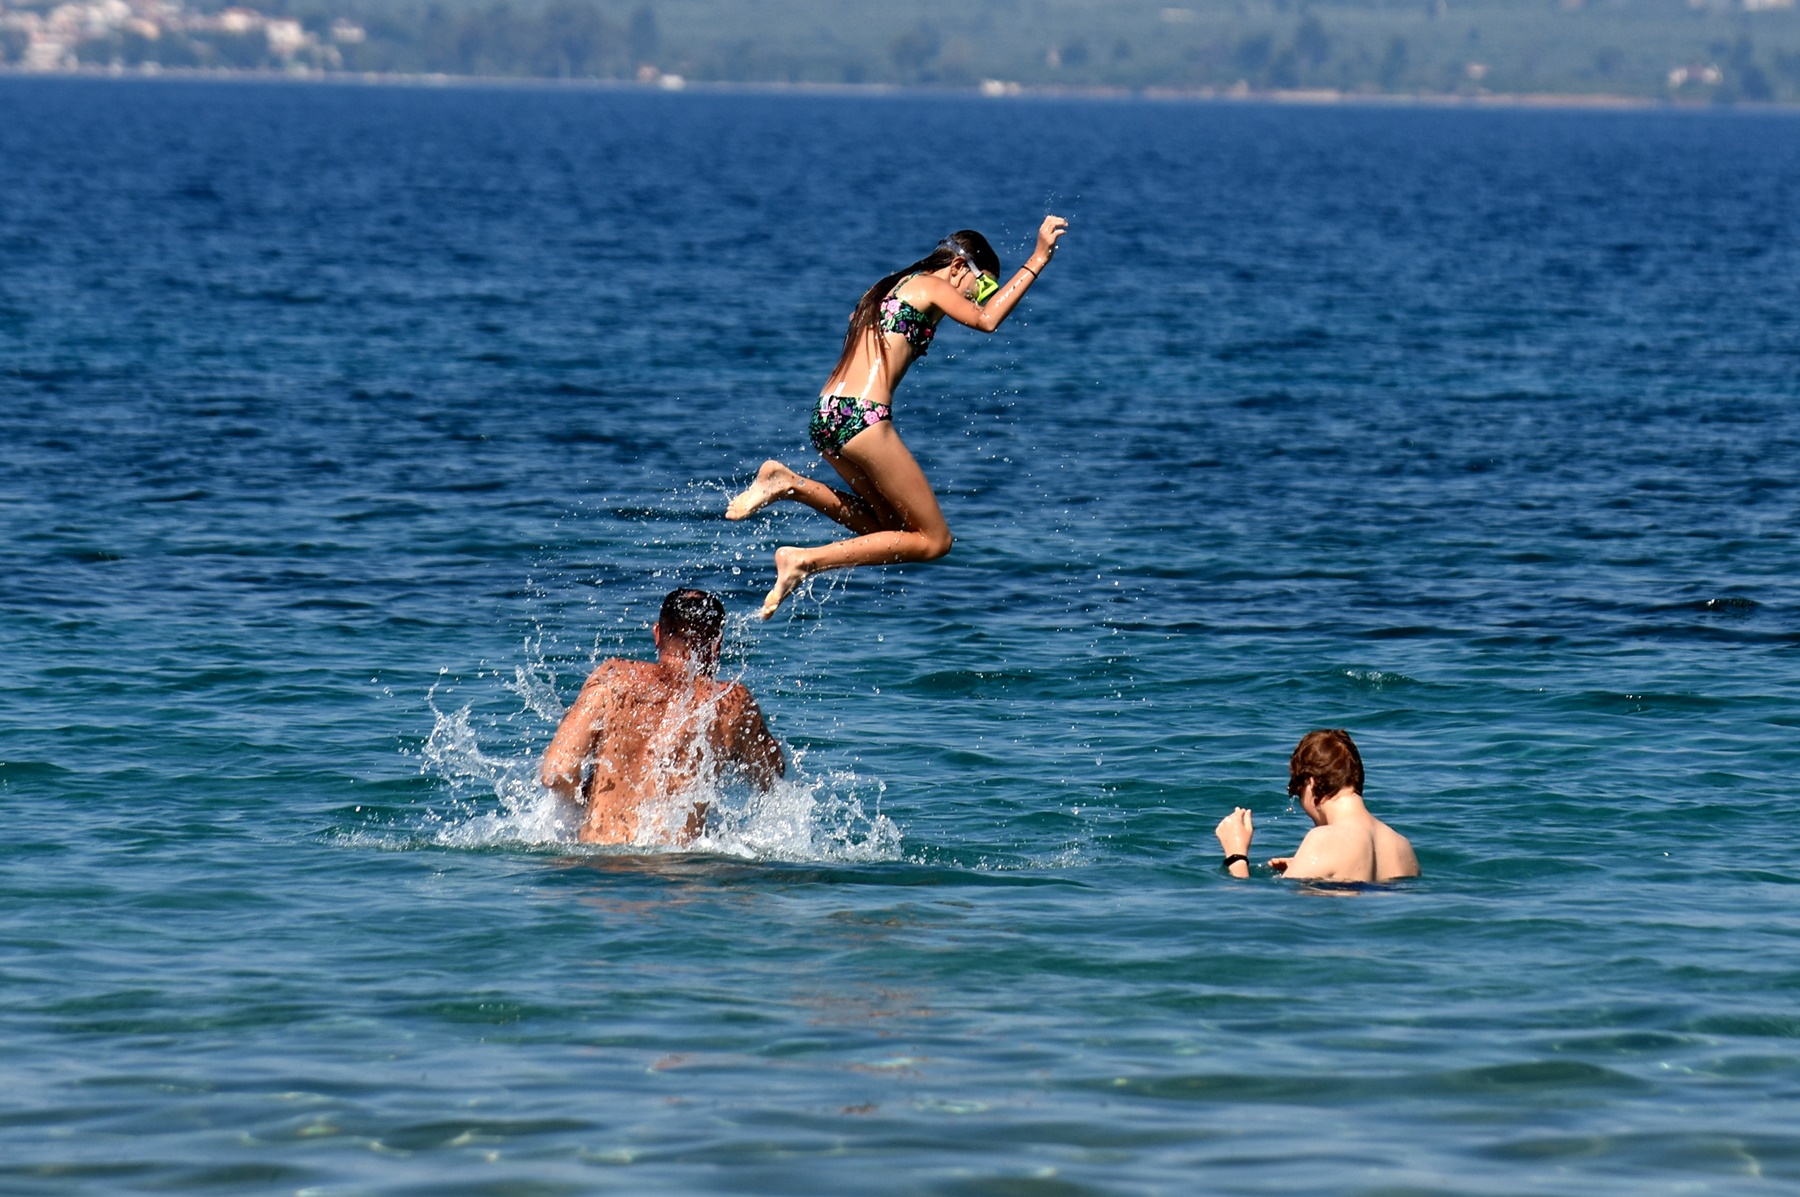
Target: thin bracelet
column 1234, row 858
column 1028, row 270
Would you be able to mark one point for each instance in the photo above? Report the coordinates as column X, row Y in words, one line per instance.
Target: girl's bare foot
column 789, row 573
column 774, row 481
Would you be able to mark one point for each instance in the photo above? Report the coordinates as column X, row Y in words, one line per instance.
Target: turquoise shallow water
column 342, row 428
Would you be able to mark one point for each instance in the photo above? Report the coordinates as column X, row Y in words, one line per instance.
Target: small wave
column 1378, row 679
column 1639, row 703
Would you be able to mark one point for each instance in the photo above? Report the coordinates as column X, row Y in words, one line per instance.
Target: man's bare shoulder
column 735, row 701
column 623, row 671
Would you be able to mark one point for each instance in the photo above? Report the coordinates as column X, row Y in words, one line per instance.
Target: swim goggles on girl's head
column 985, row 283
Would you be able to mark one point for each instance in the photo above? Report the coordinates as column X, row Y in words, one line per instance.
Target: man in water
column 1347, row 843
column 648, row 735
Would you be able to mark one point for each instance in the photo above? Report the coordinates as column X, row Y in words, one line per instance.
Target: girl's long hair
column 966, row 244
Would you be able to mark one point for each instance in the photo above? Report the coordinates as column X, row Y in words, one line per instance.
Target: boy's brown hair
column 1329, row 758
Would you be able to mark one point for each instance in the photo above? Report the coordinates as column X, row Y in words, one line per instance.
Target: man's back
column 651, row 733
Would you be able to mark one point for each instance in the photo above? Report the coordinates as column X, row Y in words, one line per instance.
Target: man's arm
column 754, row 748
column 574, row 740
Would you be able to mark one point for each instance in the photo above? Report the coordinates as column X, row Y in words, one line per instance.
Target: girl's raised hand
column 1049, row 233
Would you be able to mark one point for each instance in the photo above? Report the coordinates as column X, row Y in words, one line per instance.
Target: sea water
column 343, row 428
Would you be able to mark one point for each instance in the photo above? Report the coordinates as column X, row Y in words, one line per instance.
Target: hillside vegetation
column 1743, row 50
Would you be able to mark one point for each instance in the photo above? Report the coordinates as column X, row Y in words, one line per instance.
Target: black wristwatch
column 1234, row 858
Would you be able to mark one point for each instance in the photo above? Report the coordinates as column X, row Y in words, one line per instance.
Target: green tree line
column 1719, row 51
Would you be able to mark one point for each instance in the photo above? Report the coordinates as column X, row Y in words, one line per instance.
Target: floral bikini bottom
column 838, row 418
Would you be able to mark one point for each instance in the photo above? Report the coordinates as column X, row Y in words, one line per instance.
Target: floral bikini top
column 898, row 316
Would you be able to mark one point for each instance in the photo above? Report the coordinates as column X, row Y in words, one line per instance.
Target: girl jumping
column 891, row 507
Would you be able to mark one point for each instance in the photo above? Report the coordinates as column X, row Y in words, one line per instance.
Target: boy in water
column 648, row 734
column 1347, row 843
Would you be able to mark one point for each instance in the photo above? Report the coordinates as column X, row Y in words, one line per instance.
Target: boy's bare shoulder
column 1384, row 832
column 1340, row 853
column 1395, row 853
column 1327, row 838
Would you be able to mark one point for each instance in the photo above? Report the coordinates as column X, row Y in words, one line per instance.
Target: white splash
column 802, row 818
column 537, row 690
column 528, row 814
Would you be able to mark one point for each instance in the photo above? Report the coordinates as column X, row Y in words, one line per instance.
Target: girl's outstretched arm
column 963, row 310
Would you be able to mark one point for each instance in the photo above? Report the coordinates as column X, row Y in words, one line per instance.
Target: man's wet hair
column 1330, row 759
column 694, row 615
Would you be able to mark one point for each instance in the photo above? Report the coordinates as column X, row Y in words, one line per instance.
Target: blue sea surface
column 342, row 428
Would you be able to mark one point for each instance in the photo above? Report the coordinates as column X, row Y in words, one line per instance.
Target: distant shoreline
column 1311, row 97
